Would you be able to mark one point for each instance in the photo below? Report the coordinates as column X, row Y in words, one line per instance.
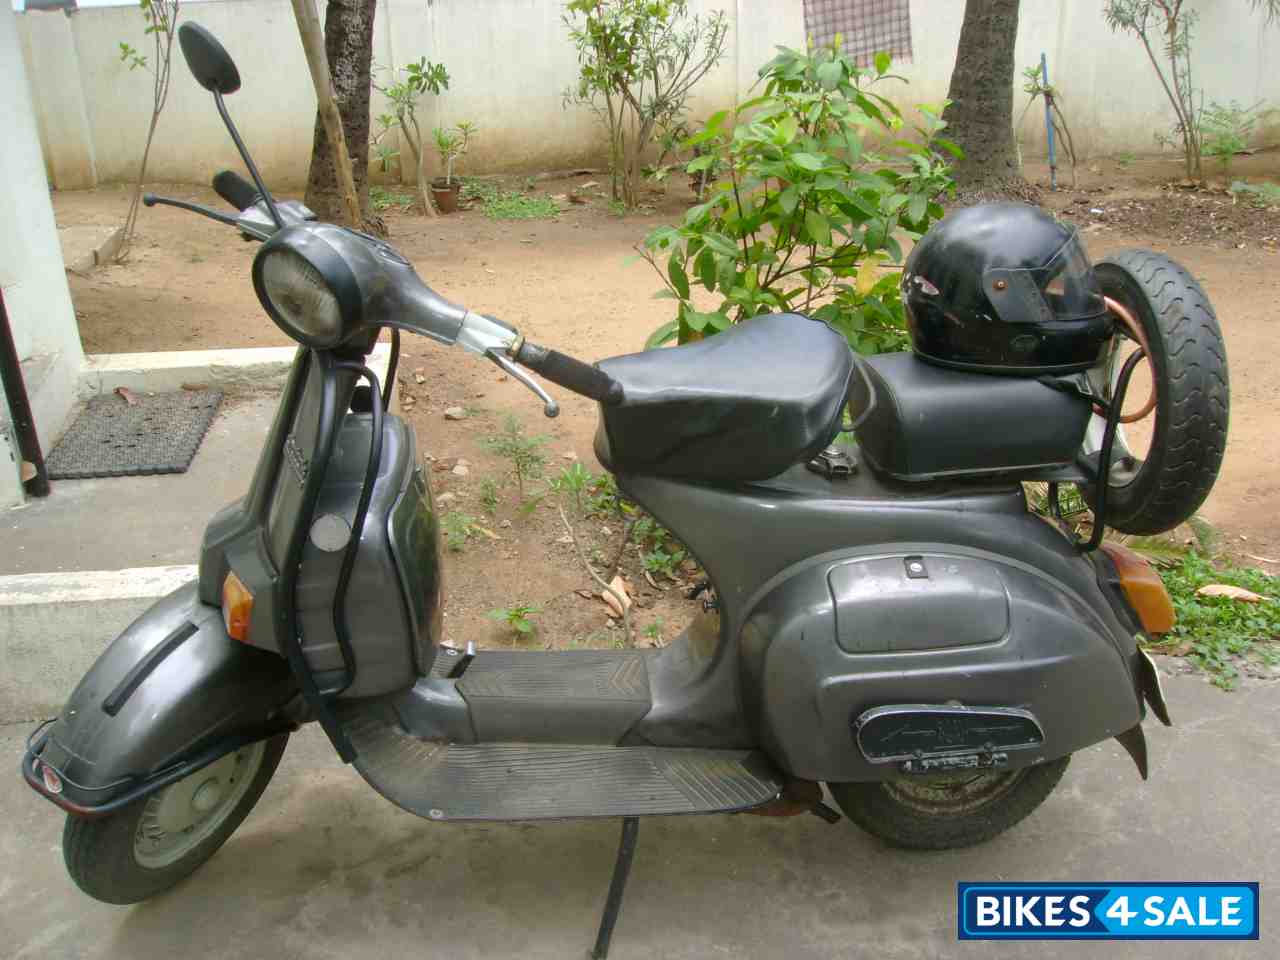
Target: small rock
column 588, row 185
column 455, row 413
column 460, row 470
column 569, row 455
column 464, row 461
column 446, row 498
column 419, row 378
column 505, row 523
column 478, row 394
column 565, row 539
column 606, row 531
column 502, row 377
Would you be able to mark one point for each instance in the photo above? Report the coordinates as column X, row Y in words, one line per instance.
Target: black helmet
column 1004, row 288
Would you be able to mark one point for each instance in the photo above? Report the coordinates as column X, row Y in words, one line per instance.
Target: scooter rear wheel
column 149, row 846
column 946, row 812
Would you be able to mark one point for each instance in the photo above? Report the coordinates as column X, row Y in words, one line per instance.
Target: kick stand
column 617, row 886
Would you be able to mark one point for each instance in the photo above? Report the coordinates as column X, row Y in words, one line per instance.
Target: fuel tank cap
column 330, row 533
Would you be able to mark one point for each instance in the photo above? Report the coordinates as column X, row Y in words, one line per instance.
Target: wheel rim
column 1125, row 463
column 953, row 794
column 184, row 814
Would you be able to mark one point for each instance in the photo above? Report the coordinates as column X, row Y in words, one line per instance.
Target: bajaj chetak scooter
column 885, row 617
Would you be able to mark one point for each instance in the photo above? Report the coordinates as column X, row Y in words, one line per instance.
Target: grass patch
column 508, row 205
column 380, row 198
column 1218, row 633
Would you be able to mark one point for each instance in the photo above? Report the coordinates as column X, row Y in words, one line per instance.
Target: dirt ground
column 568, row 283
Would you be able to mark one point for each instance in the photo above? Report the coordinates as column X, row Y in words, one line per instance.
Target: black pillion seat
column 742, row 405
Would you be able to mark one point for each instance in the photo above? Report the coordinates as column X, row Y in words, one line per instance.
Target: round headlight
column 300, row 300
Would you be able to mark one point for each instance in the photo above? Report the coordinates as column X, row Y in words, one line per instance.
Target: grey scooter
column 902, row 629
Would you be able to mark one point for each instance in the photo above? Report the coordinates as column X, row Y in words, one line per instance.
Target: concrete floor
column 118, row 522
column 326, row 868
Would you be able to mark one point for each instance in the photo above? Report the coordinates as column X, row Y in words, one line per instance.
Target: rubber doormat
column 114, row 437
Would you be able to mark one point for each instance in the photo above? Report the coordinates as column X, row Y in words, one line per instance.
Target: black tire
column 901, row 813
column 100, row 853
column 1192, row 393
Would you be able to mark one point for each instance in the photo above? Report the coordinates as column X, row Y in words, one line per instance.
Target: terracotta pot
column 445, row 194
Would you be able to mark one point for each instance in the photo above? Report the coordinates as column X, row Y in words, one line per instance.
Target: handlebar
column 236, row 190
column 581, row 378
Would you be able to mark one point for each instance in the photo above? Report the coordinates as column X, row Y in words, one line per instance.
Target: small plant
column 458, row 529
column 805, row 217
column 1227, row 131
column 489, row 495
column 1125, row 160
column 161, row 18
column 666, row 563
column 602, row 495
column 522, row 451
column 508, row 205
column 573, row 481
column 638, row 60
column 1035, row 87
column 451, row 144
column 1219, row 632
column 404, row 90
column 518, row 618
column 1261, row 195
column 654, row 631
column 380, row 198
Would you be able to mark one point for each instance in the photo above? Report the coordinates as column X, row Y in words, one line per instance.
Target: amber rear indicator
column 1143, row 588
column 237, row 605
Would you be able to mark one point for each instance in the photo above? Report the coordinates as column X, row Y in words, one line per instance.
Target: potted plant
column 451, row 143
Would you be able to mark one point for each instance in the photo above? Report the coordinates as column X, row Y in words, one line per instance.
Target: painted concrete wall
column 511, row 61
column 31, row 272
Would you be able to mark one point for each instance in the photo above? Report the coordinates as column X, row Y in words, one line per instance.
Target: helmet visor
column 1065, row 288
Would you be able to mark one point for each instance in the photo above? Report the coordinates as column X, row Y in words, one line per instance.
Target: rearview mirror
column 208, row 60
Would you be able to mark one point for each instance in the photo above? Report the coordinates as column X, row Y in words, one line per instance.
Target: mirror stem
column 248, row 161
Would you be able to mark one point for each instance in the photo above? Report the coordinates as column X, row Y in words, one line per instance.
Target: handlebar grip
column 581, row 378
column 235, row 189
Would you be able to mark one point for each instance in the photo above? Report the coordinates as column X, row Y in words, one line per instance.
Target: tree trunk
column 348, row 43
column 980, row 117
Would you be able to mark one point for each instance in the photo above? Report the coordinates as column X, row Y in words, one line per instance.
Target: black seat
column 928, row 422
column 745, row 404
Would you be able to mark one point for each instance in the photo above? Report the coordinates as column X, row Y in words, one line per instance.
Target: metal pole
column 24, row 424
column 1048, row 122
column 617, row 886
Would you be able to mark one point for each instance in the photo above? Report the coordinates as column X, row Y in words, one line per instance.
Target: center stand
column 617, row 886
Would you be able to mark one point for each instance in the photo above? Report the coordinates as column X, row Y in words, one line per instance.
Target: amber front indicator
column 237, row 605
column 1143, row 588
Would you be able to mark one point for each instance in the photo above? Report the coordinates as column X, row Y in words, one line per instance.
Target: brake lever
column 550, row 407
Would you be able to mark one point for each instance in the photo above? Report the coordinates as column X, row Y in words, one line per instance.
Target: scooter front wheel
column 946, row 812
column 149, row 846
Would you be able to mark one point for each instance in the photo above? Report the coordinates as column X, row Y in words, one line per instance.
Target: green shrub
column 804, row 214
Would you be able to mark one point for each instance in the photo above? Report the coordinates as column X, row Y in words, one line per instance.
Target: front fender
column 172, row 686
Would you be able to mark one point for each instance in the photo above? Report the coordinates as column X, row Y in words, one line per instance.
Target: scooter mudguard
column 171, row 689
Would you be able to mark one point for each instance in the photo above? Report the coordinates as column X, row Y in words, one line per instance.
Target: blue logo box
column 1107, row 911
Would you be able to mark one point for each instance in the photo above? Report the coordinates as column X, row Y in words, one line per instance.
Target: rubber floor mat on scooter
column 115, row 436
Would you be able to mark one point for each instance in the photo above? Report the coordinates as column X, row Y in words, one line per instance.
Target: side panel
column 817, row 657
column 205, row 688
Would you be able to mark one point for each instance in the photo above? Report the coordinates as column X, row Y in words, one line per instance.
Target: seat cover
column 931, row 422
column 745, row 404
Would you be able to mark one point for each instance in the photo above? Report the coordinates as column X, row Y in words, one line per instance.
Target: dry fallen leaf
column 1234, row 593
column 27, row 471
column 127, row 395
column 620, row 589
column 1252, row 556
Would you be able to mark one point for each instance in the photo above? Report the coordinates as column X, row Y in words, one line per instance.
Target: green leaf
column 882, row 61
column 721, row 244
column 819, row 227
column 703, row 162
column 807, row 161
column 949, row 146
column 679, row 279
column 699, row 321
column 706, row 267
column 665, row 294
column 664, row 334
column 917, row 208
column 830, row 74
column 788, row 200
column 786, row 129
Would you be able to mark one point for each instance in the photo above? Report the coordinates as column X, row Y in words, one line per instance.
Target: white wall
column 511, row 61
column 31, row 272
